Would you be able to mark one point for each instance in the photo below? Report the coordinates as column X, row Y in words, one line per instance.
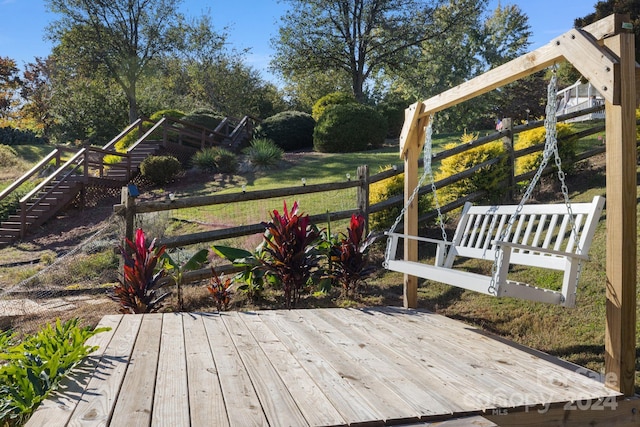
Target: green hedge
column 290, row 130
column 349, row 128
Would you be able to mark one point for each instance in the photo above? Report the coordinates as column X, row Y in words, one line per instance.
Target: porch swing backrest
column 541, row 235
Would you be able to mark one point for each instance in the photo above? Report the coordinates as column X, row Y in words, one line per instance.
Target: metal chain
column 426, row 173
column 550, row 147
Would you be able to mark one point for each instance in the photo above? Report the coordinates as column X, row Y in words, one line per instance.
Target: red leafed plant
column 138, row 291
column 220, row 290
column 290, row 244
column 349, row 257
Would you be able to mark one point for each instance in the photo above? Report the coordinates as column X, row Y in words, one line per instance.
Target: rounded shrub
column 348, row 128
column 334, row 98
column 205, row 118
column 263, row 153
column 290, row 130
column 216, row 160
column 489, row 178
column 172, row 113
column 566, row 148
column 160, row 169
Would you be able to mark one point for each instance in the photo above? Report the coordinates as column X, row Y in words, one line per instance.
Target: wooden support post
column 620, row 338
column 508, row 142
column 412, row 154
column 362, row 195
column 129, row 212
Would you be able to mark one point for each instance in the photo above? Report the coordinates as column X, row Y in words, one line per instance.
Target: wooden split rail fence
column 130, row 207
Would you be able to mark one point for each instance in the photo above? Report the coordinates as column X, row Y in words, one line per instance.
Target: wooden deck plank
column 103, row 389
column 383, row 364
column 277, row 403
column 313, row 404
column 206, row 401
column 527, row 369
column 136, row 401
column 243, row 405
column 370, row 387
column 171, row 400
column 57, row 409
column 342, row 395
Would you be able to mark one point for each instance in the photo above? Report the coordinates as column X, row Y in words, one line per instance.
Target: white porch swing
column 552, row 236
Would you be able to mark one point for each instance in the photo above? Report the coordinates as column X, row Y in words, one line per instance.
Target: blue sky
column 251, row 24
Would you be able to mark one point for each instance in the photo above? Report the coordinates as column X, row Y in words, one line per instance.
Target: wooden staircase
column 86, row 169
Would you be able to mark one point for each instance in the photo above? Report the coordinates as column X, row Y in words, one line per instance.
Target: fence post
column 362, row 195
column 507, row 141
column 129, row 203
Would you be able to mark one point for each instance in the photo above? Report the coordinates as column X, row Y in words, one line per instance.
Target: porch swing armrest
column 421, row 239
column 542, row 251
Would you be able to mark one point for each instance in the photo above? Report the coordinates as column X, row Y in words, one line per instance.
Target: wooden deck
column 310, row 367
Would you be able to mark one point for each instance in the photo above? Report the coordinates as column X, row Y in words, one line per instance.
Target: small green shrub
column 489, row 179
column 566, row 149
column 263, row 153
column 8, row 156
column 290, row 130
column 160, row 169
column 35, row 366
column 334, row 98
column 349, row 128
column 215, row 160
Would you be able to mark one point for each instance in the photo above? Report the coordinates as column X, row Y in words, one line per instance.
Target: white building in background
column 580, row 96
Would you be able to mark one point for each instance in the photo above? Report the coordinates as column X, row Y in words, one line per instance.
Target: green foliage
column 393, row 112
column 290, row 130
column 8, row 156
column 252, row 276
column 205, row 118
column 10, row 204
column 215, row 160
column 14, row 136
column 172, row 113
column 334, row 98
column 289, row 242
column 349, row 257
column 220, row 290
column 566, row 148
column 349, row 128
column 489, row 178
column 35, row 366
column 160, row 169
column 263, row 153
column 175, row 270
column 384, row 190
column 138, row 291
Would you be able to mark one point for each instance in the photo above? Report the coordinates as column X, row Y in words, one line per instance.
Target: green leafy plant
column 290, row 130
column 160, row 169
column 220, row 290
column 263, row 153
column 175, row 270
column 347, row 128
column 138, row 292
column 349, row 258
column 290, row 244
column 334, row 98
column 216, row 160
column 34, row 367
column 252, row 277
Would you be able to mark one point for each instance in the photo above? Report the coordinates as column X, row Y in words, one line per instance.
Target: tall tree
column 124, row 35
column 9, row 84
column 359, row 37
column 36, row 93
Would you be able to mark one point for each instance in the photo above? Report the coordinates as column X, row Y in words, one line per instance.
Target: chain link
column 426, row 173
column 550, row 147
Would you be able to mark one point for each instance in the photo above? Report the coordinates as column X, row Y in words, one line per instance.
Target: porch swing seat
column 541, row 236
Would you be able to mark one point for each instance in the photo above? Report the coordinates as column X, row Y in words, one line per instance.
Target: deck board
column 309, row 367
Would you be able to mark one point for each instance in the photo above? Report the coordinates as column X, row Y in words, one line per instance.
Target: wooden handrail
column 146, row 134
column 122, row 134
column 29, row 174
column 54, row 175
